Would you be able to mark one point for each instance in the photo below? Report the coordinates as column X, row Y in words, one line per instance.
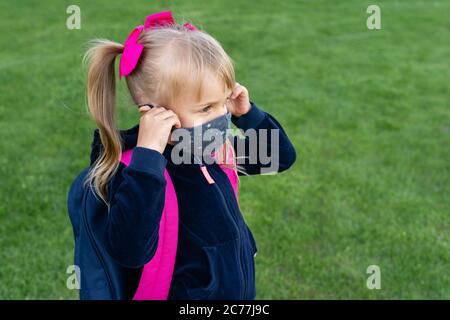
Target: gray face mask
column 204, row 138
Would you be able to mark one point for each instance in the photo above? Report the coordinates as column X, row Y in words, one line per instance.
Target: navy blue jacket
column 216, row 249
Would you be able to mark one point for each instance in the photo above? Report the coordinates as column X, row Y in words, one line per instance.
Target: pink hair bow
column 132, row 49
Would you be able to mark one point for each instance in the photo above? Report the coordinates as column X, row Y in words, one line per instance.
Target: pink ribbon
column 132, row 49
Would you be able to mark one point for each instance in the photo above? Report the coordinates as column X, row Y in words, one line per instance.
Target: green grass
column 367, row 111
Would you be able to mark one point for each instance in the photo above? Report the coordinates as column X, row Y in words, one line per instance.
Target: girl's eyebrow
column 213, row 102
column 206, row 103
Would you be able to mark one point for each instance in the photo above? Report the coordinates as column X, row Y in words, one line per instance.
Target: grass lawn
column 368, row 112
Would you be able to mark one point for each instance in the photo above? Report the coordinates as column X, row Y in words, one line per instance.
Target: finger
column 164, row 114
column 168, row 113
column 147, row 105
column 157, row 110
column 236, row 92
column 144, row 112
column 143, row 108
column 236, row 86
column 173, row 121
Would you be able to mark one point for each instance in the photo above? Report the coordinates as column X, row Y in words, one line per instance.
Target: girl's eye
column 206, row 109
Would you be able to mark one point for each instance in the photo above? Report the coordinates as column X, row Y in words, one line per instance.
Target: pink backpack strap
column 232, row 175
column 157, row 273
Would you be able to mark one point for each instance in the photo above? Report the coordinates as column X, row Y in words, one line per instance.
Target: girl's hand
column 155, row 127
column 238, row 102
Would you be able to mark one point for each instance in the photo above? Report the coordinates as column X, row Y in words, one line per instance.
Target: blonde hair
column 172, row 56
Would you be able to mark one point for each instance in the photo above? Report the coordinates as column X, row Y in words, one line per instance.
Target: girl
column 146, row 225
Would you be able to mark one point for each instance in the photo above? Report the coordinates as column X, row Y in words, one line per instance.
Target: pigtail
column 101, row 98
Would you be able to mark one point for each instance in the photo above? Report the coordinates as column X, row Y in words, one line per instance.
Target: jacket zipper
column 94, row 244
column 203, row 169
